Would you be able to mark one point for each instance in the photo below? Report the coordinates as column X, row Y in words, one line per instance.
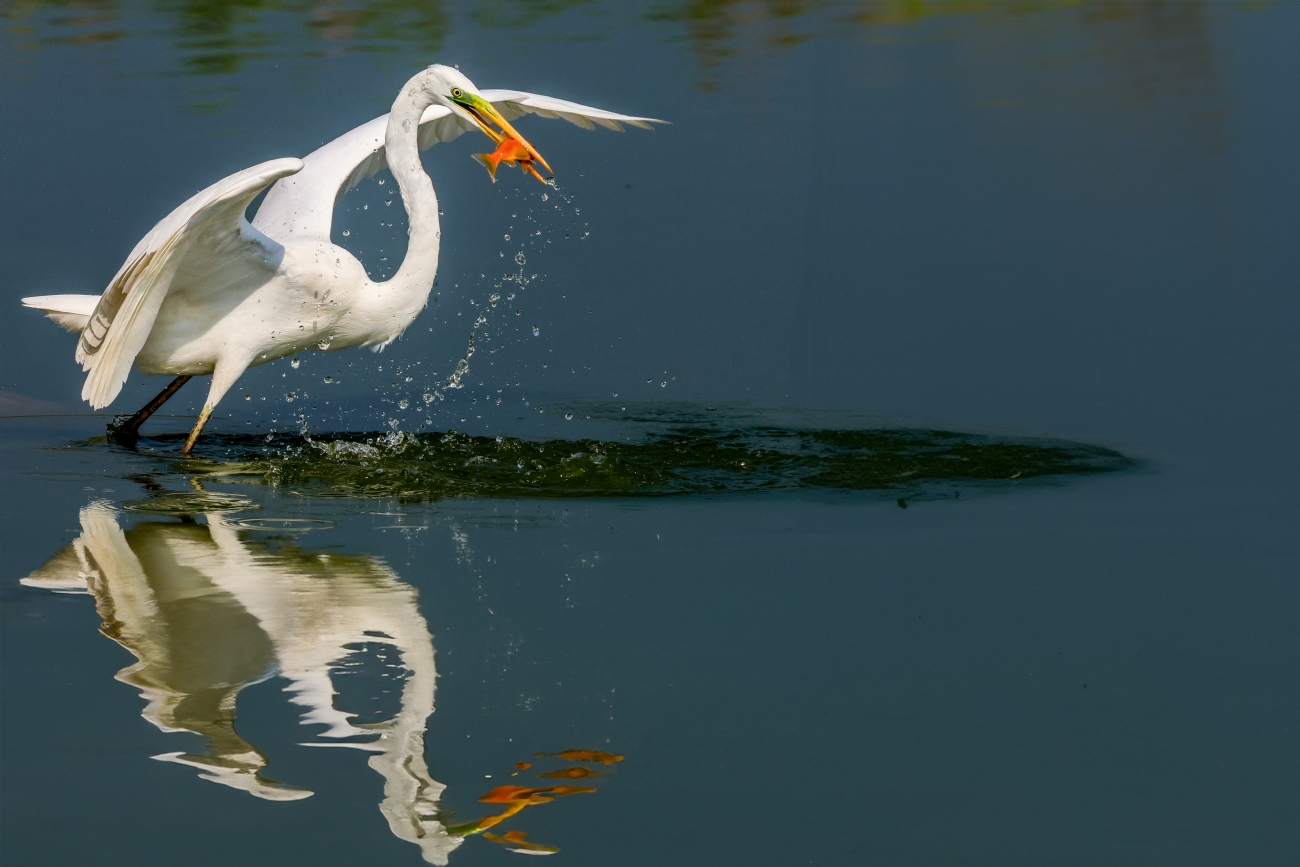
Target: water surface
column 891, row 461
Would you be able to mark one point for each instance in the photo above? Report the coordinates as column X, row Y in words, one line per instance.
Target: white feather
column 70, row 311
column 205, row 225
column 207, row 293
column 302, row 206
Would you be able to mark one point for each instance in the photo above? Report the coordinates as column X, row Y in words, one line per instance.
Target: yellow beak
column 484, row 112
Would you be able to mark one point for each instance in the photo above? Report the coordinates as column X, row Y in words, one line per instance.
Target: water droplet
column 365, row 207
column 536, row 332
column 568, row 416
column 329, row 378
column 294, row 364
column 347, row 232
column 248, row 397
column 323, row 344
column 507, row 237
column 381, row 182
column 388, row 202
column 403, row 403
column 663, row 385
column 545, row 197
column 407, row 379
column 519, row 258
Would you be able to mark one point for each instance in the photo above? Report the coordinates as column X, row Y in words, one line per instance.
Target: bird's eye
column 457, row 92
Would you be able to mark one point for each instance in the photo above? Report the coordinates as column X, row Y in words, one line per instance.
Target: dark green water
column 892, row 461
column 415, row 467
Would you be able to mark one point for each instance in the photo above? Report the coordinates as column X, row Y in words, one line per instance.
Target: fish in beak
column 484, row 114
column 510, row 151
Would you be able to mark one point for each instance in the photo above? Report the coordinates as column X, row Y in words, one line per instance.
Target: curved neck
column 414, row 278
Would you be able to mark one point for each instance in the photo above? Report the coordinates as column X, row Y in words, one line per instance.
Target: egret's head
column 451, row 88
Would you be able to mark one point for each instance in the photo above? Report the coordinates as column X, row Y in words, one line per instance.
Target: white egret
column 208, row 293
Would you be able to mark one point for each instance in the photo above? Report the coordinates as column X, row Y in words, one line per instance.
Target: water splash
column 462, row 367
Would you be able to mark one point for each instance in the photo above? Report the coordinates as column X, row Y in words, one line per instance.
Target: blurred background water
column 1036, row 226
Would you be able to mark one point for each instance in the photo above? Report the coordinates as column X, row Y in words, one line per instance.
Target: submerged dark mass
column 674, row 462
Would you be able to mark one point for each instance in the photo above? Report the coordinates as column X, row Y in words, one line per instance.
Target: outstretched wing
column 516, row 103
column 211, row 223
column 302, row 206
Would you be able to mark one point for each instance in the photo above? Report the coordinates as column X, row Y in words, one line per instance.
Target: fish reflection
column 585, row 756
column 571, row 774
column 516, row 798
column 207, row 614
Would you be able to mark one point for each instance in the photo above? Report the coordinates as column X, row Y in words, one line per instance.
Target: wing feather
column 302, row 206
column 70, row 311
column 516, row 103
column 124, row 315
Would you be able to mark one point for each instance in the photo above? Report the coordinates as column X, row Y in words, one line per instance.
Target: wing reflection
column 207, row 614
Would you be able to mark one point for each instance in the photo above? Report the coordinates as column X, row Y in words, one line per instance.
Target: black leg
column 126, row 433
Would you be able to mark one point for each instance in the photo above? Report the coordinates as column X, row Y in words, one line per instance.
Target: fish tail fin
column 489, row 164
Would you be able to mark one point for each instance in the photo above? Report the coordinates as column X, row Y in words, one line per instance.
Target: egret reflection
column 208, row 613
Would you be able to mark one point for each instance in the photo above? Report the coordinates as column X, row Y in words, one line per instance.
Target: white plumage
column 208, row 293
column 207, row 613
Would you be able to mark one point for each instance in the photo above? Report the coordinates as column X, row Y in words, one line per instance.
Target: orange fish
column 571, row 774
column 519, row 794
column 509, row 151
column 508, row 794
column 585, row 756
column 516, row 798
